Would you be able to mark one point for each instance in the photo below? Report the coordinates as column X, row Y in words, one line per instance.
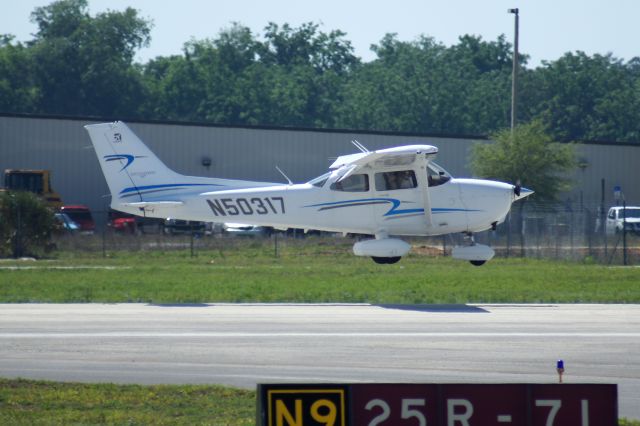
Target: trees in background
column 529, row 156
column 294, row 77
column 423, row 86
column 78, row 64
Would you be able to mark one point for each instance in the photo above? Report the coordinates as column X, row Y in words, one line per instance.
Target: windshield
column 435, row 169
column 320, row 180
column 437, row 175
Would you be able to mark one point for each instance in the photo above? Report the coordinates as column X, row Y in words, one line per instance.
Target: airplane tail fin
column 137, row 179
column 133, row 173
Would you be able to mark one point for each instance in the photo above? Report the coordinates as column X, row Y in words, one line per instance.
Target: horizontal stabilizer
column 154, row 204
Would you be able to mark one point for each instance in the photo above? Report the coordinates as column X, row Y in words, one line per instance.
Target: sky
column 548, row 28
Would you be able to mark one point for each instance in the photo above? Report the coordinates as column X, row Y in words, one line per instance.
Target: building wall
column 63, row 146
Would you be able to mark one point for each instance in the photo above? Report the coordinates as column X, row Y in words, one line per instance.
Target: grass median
column 29, row 402
column 311, row 272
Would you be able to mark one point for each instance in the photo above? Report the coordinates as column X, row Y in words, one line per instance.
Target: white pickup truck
column 615, row 219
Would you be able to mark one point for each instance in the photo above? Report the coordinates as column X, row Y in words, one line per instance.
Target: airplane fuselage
column 459, row 205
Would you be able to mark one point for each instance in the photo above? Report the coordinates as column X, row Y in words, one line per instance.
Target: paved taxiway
column 242, row 345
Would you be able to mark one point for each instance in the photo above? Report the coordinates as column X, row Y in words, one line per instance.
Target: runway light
column 560, row 369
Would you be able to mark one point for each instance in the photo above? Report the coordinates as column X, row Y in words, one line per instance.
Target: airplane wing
column 403, row 155
column 347, row 165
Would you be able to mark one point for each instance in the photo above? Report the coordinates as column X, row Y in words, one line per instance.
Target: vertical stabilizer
column 135, row 175
column 130, row 168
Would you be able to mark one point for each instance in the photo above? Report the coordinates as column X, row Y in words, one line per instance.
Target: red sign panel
column 438, row 405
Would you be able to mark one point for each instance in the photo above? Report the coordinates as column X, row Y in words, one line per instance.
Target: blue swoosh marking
column 115, row 157
column 394, row 210
column 164, row 186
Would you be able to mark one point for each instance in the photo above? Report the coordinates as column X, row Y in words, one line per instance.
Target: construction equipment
column 36, row 181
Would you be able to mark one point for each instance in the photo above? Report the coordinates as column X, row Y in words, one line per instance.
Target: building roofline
column 291, row 128
column 239, row 126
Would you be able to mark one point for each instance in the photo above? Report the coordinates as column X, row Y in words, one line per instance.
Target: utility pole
column 514, row 72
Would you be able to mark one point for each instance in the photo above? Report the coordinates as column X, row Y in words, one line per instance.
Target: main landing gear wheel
column 386, row 260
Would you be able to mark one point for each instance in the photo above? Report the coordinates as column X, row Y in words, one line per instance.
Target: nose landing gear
column 476, row 254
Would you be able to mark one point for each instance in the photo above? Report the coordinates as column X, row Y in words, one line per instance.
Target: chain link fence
column 562, row 231
column 566, row 232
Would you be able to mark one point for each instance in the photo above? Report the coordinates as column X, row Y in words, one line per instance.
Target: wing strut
column 423, row 160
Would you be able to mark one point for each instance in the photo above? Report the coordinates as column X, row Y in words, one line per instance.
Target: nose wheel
column 476, row 254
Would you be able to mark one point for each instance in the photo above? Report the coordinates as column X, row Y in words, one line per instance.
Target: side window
column 354, row 183
column 612, row 214
column 389, row 181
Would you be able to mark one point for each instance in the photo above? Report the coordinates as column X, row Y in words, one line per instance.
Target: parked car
column 178, row 226
column 246, row 230
column 149, row 225
column 63, row 223
column 82, row 216
column 122, row 222
column 616, row 219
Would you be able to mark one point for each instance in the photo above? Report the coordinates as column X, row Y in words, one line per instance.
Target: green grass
column 320, row 271
column 27, row 402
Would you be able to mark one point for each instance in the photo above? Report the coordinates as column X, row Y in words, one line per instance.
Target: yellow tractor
column 36, row 181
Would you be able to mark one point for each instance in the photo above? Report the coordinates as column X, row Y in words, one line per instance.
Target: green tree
column 530, row 156
column 307, row 46
column 293, row 77
column 83, row 64
column 18, row 91
column 583, row 97
column 423, row 86
column 26, row 224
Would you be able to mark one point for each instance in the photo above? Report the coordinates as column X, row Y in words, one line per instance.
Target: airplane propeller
column 517, row 188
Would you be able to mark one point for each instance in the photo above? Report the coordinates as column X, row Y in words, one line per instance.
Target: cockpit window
column 390, row 181
column 320, row 180
column 437, row 175
column 353, row 183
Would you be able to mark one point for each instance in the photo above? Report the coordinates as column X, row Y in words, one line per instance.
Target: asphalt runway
column 241, row 345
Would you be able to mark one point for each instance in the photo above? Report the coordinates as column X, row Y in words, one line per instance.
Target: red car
column 122, row 222
column 82, row 216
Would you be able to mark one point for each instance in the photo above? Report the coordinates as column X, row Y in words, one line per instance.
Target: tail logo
column 117, row 138
column 119, row 157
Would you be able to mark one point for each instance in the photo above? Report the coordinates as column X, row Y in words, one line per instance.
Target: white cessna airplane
column 385, row 193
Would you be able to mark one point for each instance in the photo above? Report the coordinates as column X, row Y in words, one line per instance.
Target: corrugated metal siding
column 616, row 164
column 63, row 146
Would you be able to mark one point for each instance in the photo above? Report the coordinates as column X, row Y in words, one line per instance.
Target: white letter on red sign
column 453, row 417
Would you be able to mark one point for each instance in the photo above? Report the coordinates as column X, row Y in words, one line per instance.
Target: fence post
column 275, row 243
column 508, row 233
column 444, row 246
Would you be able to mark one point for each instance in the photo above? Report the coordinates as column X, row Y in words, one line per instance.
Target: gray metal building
column 62, row 145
